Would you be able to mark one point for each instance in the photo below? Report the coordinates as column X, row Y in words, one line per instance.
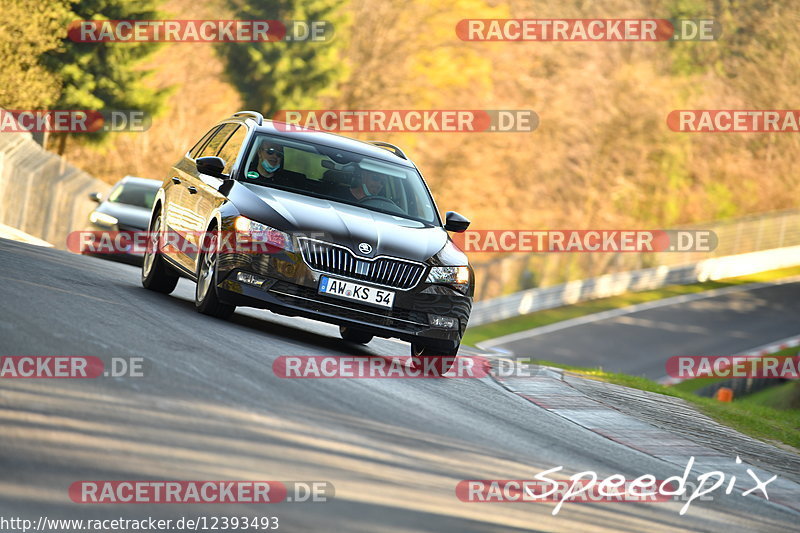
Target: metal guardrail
column 740, row 387
column 40, row 193
column 533, row 300
column 516, row 272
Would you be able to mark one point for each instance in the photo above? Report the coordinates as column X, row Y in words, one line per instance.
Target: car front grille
column 339, row 261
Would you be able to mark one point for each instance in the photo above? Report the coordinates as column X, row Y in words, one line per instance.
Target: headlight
column 102, row 219
column 251, row 231
column 455, row 276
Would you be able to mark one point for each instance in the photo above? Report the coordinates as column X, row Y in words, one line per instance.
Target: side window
column 216, row 142
column 199, row 146
column 230, row 151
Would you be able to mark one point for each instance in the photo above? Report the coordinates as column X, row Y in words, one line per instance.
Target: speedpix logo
column 587, row 486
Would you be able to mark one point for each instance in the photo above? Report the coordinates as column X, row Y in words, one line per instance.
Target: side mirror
column 455, row 222
column 95, row 197
column 212, row 166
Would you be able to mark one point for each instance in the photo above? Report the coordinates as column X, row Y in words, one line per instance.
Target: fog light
column 250, row 279
column 445, row 322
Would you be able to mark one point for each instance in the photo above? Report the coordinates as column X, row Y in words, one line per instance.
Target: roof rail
column 392, row 148
column 259, row 118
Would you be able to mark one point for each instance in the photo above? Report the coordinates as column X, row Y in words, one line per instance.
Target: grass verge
column 476, row 334
column 784, row 396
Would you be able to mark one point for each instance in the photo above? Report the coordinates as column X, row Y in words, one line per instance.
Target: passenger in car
column 268, row 168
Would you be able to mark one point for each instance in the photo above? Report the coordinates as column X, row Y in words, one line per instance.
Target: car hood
column 340, row 223
column 128, row 215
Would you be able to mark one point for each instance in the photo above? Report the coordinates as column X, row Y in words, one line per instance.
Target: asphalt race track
column 210, row 408
column 640, row 343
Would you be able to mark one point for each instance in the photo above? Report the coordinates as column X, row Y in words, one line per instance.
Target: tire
column 354, row 335
column 206, row 299
column 156, row 274
column 444, row 359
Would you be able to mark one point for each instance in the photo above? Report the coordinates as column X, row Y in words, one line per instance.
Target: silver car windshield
column 133, row 193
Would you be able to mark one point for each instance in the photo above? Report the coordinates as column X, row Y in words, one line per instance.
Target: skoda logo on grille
column 364, row 248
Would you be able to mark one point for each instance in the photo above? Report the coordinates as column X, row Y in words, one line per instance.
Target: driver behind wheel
column 370, row 184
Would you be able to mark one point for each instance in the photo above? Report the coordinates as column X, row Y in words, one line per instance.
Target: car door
column 203, row 190
column 176, row 198
column 181, row 219
column 174, row 187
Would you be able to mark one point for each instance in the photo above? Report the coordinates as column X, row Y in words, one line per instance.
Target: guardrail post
column 782, row 232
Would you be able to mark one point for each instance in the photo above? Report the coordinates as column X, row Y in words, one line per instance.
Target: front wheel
column 156, row 274
column 442, row 360
column 206, row 299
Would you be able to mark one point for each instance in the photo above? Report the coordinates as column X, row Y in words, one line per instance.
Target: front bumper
column 291, row 289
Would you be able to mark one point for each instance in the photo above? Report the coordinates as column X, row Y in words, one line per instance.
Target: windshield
column 340, row 176
column 134, row 194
